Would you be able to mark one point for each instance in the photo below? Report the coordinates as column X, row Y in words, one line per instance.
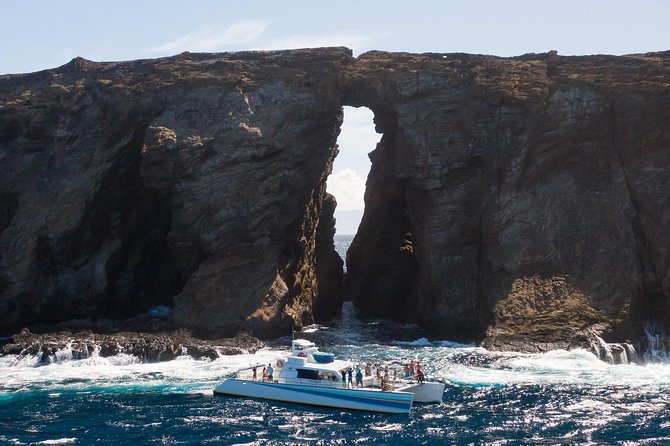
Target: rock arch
column 512, row 200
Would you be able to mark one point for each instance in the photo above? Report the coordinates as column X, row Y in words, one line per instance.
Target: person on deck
column 419, row 374
column 270, row 372
column 264, row 374
column 385, row 385
column 359, row 377
column 349, row 376
column 253, row 369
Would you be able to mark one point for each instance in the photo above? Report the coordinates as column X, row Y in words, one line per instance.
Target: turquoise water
column 492, row 398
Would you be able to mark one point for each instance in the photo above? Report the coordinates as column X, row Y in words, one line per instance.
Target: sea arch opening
column 351, row 167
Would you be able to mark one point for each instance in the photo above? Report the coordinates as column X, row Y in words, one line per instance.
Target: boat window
column 329, row 376
column 308, row 374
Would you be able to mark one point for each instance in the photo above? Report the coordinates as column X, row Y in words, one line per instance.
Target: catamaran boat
column 308, row 376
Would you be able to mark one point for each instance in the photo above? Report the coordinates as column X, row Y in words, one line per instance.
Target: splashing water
column 492, row 397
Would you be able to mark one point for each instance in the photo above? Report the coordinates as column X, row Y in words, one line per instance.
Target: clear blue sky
column 42, row 34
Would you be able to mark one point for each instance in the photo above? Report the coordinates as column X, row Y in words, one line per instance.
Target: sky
column 35, row 35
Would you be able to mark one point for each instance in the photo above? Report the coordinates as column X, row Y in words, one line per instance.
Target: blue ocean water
column 494, row 398
column 558, row 397
column 342, row 243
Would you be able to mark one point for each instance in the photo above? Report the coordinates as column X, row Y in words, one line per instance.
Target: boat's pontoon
column 308, row 376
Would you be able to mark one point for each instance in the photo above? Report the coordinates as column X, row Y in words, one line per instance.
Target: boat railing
column 248, row 374
column 369, row 382
column 309, row 382
column 367, row 385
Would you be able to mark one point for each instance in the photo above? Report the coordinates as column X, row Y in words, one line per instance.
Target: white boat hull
column 428, row 392
column 355, row 399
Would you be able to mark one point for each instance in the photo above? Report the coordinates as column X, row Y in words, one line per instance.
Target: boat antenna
column 292, row 332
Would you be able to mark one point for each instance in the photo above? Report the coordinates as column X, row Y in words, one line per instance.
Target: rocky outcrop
column 58, row 346
column 534, row 190
column 510, row 200
column 194, row 181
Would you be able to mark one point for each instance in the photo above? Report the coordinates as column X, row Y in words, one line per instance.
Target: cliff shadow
column 381, row 269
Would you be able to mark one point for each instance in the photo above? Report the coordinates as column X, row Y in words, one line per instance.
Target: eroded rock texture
column 511, row 200
column 535, row 192
column 198, row 176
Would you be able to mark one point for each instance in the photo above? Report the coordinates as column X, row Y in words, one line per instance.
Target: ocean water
column 495, row 398
column 492, row 398
column 342, row 243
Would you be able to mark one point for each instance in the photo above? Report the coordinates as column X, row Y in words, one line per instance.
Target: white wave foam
column 658, row 344
column 452, row 344
column 589, row 405
column 58, row 441
column 577, row 367
column 423, row 342
column 183, row 374
column 19, row 361
column 459, row 366
column 387, row 427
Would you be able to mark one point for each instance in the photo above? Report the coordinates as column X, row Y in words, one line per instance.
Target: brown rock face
column 198, row 176
column 535, row 191
column 511, row 200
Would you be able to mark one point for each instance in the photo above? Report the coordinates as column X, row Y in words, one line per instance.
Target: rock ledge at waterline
column 509, row 198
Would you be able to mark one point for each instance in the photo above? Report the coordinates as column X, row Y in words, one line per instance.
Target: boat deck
column 369, row 382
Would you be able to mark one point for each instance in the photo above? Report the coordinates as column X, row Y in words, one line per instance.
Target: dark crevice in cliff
column 116, row 262
column 112, row 260
column 649, row 306
column 9, row 204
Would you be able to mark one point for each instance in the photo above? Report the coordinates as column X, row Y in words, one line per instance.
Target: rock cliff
column 512, row 201
column 196, row 181
column 516, row 200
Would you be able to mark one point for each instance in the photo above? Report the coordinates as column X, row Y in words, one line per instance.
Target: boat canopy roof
column 334, row 366
column 302, row 343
